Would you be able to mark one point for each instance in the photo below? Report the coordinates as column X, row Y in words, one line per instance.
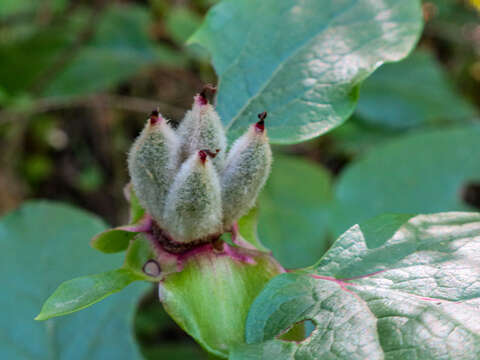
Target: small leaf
column 410, row 289
column 79, row 293
column 117, row 239
column 306, row 79
column 294, row 211
column 113, row 240
column 425, row 172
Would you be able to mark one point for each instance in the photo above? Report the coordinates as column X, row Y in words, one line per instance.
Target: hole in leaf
column 299, row 332
column 471, row 194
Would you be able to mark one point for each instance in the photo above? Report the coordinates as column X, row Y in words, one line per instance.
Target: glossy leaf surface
column 306, row 79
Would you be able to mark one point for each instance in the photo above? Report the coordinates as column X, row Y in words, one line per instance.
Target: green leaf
column 113, row 240
column 248, row 229
column 44, row 244
column 356, row 136
column 181, row 23
column 412, row 93
column 211, row 296
column 79, row 293
column 420, row 173
column 139, row 252
column 117, row 239
column 410, row 290
column 294, row 211
column 120, row 47
column 136, row 210
column 306, row 79
column 44, row 45
column 16, row 7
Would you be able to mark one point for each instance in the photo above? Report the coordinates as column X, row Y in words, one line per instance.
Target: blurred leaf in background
column 182, row 22
column 414, row 92
column 423, row 173
column 294, row 211
column 120, row 47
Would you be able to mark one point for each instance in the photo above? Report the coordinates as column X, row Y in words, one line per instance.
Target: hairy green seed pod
column 193, row 209
column 202, row 129
column 152, row 161
column 246, row 171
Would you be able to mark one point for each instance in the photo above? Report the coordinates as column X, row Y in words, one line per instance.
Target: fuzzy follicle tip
column 207, row 91
column 260, row 125
column 203, row 154
column 155, row 117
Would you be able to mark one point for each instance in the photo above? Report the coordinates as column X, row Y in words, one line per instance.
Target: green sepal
column 211, row 296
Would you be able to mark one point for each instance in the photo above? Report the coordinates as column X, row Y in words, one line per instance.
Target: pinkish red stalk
column 145, row 225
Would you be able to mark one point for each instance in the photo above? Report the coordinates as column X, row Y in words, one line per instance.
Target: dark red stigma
column 207, row 92
column 260, row 125
column 205, row 152
column 154, row 117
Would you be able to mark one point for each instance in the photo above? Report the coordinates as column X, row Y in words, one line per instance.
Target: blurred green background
column 78, row 78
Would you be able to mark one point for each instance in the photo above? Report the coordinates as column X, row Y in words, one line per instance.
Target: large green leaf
column 421, row 173
column 383, row 291
column 44, row 244
column 302, row 62
column 294, row 211
column 411, row 93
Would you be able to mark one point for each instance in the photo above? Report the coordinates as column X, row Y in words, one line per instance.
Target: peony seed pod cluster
column 185, row 179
